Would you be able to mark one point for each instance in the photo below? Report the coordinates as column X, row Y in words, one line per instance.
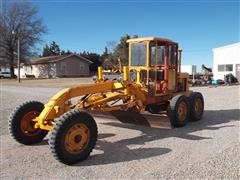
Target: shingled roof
column 53, row 59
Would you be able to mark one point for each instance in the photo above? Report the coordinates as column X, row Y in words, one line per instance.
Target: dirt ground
column 207, row 149
column 55, row 82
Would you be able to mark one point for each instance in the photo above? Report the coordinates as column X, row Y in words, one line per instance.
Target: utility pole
column 18, row 60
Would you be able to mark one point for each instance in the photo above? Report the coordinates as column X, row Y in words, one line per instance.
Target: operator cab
column 153, row 63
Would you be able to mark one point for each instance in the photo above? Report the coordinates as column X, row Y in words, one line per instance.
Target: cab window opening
column 138, row 54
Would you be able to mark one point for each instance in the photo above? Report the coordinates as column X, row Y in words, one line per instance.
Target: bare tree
column 19, row 20
column 47, row 70
column 111, row 45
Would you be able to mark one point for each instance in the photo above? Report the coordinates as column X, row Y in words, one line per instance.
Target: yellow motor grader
column 151, row 82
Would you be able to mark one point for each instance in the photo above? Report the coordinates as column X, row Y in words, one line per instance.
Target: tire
column 178, row 111
column 21, row 126
column 196, row 106
column 73, row 137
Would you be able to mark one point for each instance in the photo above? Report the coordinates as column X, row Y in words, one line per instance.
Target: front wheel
column 21, row 124
column 73, row 137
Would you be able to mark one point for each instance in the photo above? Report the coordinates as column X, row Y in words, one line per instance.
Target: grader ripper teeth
column 151, row 82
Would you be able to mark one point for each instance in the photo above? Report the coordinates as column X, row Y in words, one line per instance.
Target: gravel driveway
column 209, row 148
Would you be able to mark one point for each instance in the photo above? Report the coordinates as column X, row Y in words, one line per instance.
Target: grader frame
column 153, row 81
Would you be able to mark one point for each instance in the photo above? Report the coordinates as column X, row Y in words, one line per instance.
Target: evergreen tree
column 52, row 50
column 69, row 52
column 46, row 51
column 94, row 57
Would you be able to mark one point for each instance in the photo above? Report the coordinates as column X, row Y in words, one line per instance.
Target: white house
column 190, row 69
column 226, row 59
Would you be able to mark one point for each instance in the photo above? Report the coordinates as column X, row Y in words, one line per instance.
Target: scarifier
column 151, row 82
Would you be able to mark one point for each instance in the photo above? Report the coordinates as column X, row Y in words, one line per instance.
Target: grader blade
column 144, row 119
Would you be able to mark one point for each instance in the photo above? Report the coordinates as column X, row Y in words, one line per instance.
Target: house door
column 238, row 72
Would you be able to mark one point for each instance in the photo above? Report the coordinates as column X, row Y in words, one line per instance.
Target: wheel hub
column 182, row 111
column 27, row 124
column 77, row 138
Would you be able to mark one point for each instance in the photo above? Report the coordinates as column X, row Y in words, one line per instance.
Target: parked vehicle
column 217, row 82
column 5, row 75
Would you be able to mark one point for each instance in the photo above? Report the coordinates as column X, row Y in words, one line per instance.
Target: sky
column 198, row 26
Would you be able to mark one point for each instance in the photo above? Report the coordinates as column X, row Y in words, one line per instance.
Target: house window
column 221, row 68
column 81, row 67
column 225, row 67
column 229, row 67
column 63, row 67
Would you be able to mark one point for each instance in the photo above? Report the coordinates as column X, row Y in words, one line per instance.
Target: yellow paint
column 134, row 40
column 125, row 73
column 60, row 99
column 148, row 54
column 100, row 74
column 171, row 80
column 125, row 77
column 184, row 80
column 117, row 85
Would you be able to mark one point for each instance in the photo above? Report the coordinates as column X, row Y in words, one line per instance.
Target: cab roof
column 151, row 39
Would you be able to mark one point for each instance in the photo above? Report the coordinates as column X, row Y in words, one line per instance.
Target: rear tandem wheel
column 197, row 106
column 178, row 111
